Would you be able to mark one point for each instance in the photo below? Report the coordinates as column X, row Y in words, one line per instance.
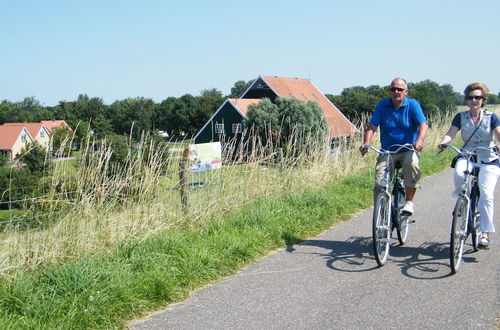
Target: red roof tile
column 51, row 124
column 9, row 136
column 243, row 104
column 33, row 128
column 303, row 89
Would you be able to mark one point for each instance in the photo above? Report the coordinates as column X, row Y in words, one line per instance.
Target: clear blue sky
column 57, row 49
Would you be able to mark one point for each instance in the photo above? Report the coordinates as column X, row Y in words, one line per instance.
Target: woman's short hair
column 481, row 87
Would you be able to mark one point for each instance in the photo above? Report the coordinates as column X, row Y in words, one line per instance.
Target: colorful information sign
column 205, row 156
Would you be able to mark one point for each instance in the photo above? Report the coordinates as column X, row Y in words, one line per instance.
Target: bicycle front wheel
column 401, row 222
column 381, row 229
column 475, row 223
column 458, row 234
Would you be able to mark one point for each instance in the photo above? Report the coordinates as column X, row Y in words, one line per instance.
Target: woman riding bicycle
column 477, row 127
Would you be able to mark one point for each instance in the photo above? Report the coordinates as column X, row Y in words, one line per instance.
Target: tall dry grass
column 92, row 208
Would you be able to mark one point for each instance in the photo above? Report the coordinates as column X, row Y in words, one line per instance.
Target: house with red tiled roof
column 227, row 120
column 53, row 124
column 38, row 132
column 304, row 90
column 13, row 139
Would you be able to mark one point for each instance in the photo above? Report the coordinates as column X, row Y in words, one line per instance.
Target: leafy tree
column 100, row 126
column 187, row 114
column 29, row 110
column 264, row 119
column 35, row 158
column 120, row 150
column 61, row 140
column 289, row 123
column 181, row 115
column 435, row 99
column 239, row 88
column 208, row 103
column 5, row 111
column 356, row 102
column 132, row 116
column 81, row 131
column 423, row 94
column 493, row 99
column 84, row 109
column 213, row 92
column 163, row 114
column 16, row 184
column 154, row 149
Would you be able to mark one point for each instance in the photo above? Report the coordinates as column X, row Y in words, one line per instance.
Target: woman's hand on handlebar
column 442, row 146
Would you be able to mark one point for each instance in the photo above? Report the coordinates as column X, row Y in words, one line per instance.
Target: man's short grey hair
column 399, row 78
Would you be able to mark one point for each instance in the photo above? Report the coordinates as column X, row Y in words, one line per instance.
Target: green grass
column 8, row 215
column 137, row 277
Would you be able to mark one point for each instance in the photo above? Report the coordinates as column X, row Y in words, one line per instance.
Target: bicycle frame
column 396, row 181
column 385, row 218
column 465, row 224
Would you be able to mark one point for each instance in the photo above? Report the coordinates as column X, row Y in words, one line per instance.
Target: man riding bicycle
column 401, row 120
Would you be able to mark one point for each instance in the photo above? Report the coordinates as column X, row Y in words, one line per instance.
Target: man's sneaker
column 484, row 243
column 407, row 209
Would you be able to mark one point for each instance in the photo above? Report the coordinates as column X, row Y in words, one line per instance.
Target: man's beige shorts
column 409, row 161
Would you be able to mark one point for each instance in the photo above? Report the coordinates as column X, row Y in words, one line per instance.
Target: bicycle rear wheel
column 381, row 229
column 402, row 222
column 475, row 223
column 458, row 234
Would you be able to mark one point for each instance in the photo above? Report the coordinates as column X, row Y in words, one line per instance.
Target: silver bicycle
column 466, row 220
column 387, row 208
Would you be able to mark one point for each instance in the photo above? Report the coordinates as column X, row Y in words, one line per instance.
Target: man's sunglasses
column 474, row 97
column 397, row 89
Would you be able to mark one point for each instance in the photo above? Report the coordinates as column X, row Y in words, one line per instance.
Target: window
column 23, row 137
column 236, row 128
column 219, row 128
column 42, row 133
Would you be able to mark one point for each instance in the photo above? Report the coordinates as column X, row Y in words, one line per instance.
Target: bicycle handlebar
column 407, row 146
column 465, row 152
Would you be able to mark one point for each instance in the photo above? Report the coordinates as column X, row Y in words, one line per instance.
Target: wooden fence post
column 183, row 179
column 281, row 164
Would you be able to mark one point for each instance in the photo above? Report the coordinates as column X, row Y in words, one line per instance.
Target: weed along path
column 332, row 281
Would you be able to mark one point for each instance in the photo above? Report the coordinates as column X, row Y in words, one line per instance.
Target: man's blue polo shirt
column 398, row 126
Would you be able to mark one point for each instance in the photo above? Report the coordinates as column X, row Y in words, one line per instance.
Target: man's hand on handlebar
column 418, row 145
column 363, row 149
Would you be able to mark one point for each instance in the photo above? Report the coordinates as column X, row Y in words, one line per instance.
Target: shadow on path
column 428, row 261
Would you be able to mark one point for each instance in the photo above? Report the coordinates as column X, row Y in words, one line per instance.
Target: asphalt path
column 332, row 281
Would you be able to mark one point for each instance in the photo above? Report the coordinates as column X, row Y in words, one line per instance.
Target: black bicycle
column 387, row 208
column 466, row 220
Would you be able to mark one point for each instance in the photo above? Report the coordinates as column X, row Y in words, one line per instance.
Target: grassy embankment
column 114, row 255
